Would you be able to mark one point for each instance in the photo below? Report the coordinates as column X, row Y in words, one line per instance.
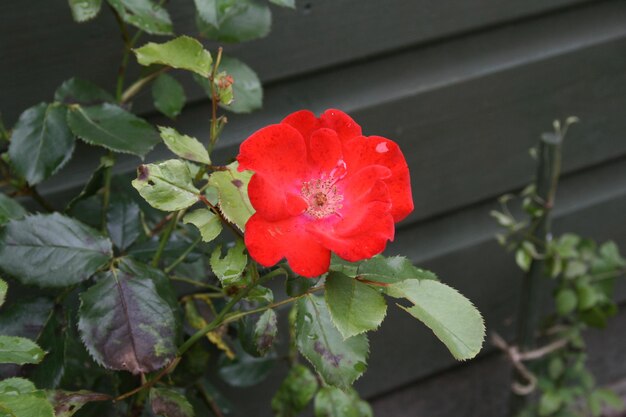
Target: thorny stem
column 207, row 399
column 136, row 87
column 214, row 100
column 106, row 196
column 169, row 368
column 157, row 228
column 217, row 212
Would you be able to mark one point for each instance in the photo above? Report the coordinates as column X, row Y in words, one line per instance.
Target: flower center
column 322, row 197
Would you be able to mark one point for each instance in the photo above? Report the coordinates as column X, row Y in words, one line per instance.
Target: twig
column 169, row 368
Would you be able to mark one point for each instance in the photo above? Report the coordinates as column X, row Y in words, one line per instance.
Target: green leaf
column 41, row 142
column 244, row 21
column 245, row 370
column 79, row 91
column 3, row 291
column 208, row 223
column 19, row 350
column 168, row 95
column 207, row 11
column 144, row 14
column 167, row 186
column 182, row 53
column 333, row 402
column 95, row 183
column 184, row 146
column 295, row 392
column 84, row 10
column 16, row 386
column 610, row 253
column 550, row 403
column 123, row 222
column 566, row 301
column 229, row 268
column 297, row 285
column 247, row 88
column 67, row 403
column 170, row 403
column 125, row 324
column 51, row 250
column 587, row 296
column 265, row 331
column 10, row 209
column 26, row 404
column 339, row 361
column 285, row 3
column 523, row 259
column 391, row 270
column 451, row 316
column 113, row 128
column 354, row 307
column 609, row 398
column 232, row 187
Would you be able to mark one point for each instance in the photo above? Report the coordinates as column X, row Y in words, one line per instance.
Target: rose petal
column 341, row 123
column 268, row 242
column 277, row 152
column 304, row 121
column 376, row 150
column 324, row 150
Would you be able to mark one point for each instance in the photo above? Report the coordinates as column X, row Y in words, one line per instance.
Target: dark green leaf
column 207, row 223
column 96, row 181
column 67, row 403
column 51, row 250
column 144, row 14
column 184, row 146
column 354, row 307
column 451, row 316
column 207, row 11
column 26, row 318
column 41, row 142
column 112, row 127
column 168, row 95
column 265, row 331
column 285, row 3
column 391, row 270
column 79, row 91
column 125, row 324
column 245, row 370
column 243, row 21
column 182, row 53
column 10, row 209
column 167, row 186
column 123, row 222
column 229, row 268
column 232, row 187
column 296, row 285
column 170, row 403
column 84, row 10
column 295, row 392
column 340, row 362
column 19, row 350
column 49, row 372
column 333, row 402
column 549, row 403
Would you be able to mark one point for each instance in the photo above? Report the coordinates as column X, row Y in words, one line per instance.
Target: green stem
column 214, row 101
column 136, row 87
column 219, row 320
column 184, row 255
column 106, row 196
column 165, row 237
column 533, row 288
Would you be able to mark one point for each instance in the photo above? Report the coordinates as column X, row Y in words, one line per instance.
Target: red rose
column 319, row 185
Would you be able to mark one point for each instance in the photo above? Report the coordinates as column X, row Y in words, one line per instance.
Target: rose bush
column 319, row 185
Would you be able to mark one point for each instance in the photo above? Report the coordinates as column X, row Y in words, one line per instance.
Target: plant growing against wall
column 579, row 274
column 133, row 298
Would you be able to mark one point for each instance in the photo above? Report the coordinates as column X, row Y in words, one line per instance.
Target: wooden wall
column 465, row 87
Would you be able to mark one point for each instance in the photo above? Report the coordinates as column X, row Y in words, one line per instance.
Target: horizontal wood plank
column 40, row 45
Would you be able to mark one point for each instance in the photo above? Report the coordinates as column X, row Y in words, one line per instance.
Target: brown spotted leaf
column 340, row 362
column 125, row 324
column 169, row 403
column 67, row 403
column 232, row 187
